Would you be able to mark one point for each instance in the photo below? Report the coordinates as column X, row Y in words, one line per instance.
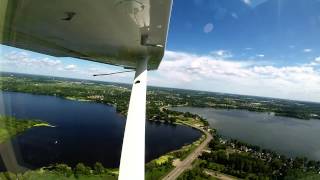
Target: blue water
column 85, row 132
column 289, row 136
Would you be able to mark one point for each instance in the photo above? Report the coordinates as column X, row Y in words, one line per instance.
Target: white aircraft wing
column 117, row 32
column 128, row 33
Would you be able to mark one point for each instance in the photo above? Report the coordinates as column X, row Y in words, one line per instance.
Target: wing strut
column 133, row 148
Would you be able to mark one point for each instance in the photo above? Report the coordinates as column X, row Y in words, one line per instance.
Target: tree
column 298, row 162
column 276, row 164
column 81, row 169
column 63, row 169
column 98, row 168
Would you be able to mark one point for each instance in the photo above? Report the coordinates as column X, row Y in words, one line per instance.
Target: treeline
column 119, row 96
column 155, row 114
column 116, row 96
column 195, row 173
column 63, row 171
column 170, row 116
column 80, row 170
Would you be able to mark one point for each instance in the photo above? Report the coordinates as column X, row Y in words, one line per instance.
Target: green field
column 10, row 126
column 64, row 172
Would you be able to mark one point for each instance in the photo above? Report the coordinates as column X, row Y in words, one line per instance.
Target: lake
column 85, row 132
column 288, row 136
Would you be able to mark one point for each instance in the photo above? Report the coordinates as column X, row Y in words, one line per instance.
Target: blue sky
column 255, row 47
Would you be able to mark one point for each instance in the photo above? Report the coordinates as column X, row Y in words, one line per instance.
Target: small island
column 10, row 126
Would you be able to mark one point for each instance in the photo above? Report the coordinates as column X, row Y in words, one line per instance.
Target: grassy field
column 159, row 167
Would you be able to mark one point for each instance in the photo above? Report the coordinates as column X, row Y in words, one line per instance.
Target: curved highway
column 187, row 162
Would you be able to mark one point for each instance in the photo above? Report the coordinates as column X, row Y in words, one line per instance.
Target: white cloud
column 24, row 62
column 70, row 67
column 23, row 59
column 247, row 1
column 315, row 62
column 260, row 55
column 307, row 50
column 208, row 28
column 211, row 73
column 221, row 53
column 216, row 71
column 254, row 3
column 234, row 15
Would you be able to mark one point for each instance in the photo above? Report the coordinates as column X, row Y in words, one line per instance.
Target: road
column 187, row 162
column 219, row 175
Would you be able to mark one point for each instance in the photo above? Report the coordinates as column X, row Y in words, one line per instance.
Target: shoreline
column 155, row 121
column 268, row 145
column 187, row 149
column 248, row 110
column 181, row 119
column 44, row 125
